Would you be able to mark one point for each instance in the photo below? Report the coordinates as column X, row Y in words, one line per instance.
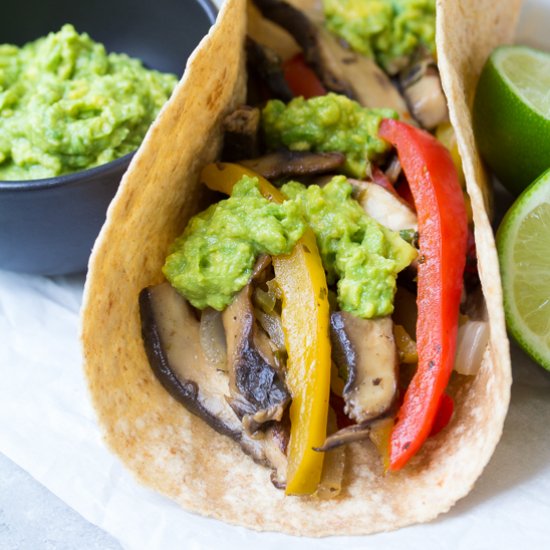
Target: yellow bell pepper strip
column 222, row 176
column 443, row 230
column 305, row 319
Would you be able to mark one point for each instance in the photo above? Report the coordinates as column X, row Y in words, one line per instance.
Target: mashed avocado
column 327, row 123
column 214, row 257
column 388, row 30
column 66, row 105
column 361, row 254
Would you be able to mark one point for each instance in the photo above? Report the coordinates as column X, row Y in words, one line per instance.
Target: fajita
column 176, row 452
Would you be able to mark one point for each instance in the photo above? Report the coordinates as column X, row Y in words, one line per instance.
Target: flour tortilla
column 176, row 453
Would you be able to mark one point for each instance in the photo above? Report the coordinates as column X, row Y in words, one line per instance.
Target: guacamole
column 387, row 30
column 362, row 255
column 67, row 105
column 214, row 257
column 327, row 123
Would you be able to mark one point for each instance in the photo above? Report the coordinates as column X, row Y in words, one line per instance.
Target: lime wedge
column 523, row 243
column 511, row 115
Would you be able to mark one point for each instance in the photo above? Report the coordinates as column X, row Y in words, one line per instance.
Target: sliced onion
column 274, row 288
column 380, row 435
column 334, row 463
column 271, row 323
column 265, row 300
column 471, row 343
column 212, row 337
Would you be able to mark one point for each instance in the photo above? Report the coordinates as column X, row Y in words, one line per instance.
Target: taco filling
column 317, row 301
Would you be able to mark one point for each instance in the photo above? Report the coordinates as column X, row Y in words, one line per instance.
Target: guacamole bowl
column 48, row 225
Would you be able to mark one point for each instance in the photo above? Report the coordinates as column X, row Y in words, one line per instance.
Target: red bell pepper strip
column 404, row 191
column 301, row 79
column 443, row 415
column 443, row 230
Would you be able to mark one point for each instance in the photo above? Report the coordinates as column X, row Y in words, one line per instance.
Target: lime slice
column 512, row 115
column 523, row 243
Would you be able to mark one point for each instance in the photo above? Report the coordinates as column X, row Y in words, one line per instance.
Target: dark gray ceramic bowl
column 48, row 226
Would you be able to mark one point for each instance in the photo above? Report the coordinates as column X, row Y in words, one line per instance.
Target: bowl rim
column 66, row 179
column 210, row 9
column 211, row 12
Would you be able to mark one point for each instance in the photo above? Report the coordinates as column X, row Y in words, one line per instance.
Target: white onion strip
column 471, row 343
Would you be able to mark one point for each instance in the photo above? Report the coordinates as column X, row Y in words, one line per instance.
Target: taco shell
column 170, row 450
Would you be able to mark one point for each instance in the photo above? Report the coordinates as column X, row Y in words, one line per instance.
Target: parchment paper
column 47, row 426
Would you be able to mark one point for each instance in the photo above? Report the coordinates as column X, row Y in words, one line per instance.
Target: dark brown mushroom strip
column 170, row 334
column 266, row 32
column 422, row 89
column 257, row 391
column 290, row 164
column 342, row 351
column 349, row 434
column 241, row 134
column 365, row 350
column 353, row 433
column 265, row 64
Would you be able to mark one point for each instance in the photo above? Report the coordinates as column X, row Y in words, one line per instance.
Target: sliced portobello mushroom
column 340, row 70
column 305, row 32
column 369, row 84
column 171, row 338
column 241, row 134
column 257, row 390
column 289, row 164
column 364, row 351
column 421, row 87
column 263, row 63
column 349, row 434
column 266, row 32
column 355, row 432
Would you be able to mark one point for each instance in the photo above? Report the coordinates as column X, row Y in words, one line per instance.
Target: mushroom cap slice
column 289, row 164
column 365, row 349
column 258, row 393
column 422, row 90
column 241, row 133
column 170, row 333
column 340, row 70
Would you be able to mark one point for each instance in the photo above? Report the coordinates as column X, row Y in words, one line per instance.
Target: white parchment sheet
column 48, row 427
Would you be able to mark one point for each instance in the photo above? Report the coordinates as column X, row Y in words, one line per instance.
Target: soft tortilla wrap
column 176, row 453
